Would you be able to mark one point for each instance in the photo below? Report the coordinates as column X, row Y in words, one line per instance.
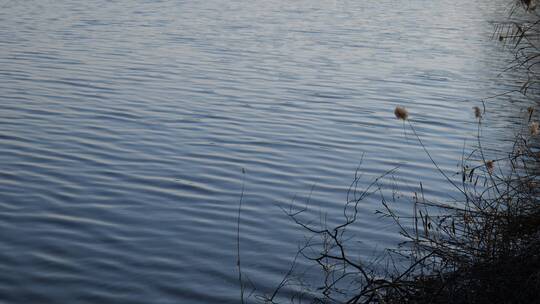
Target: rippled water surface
column 125, row 125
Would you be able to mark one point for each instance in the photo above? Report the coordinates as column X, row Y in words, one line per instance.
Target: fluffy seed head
column 477, row 112
column 401, row 113
column 534, row 128
column 490, row 165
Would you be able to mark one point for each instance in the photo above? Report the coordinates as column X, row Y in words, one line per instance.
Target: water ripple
column 125, row 126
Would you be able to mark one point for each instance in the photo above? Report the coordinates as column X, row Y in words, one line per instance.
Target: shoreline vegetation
column 482, row 248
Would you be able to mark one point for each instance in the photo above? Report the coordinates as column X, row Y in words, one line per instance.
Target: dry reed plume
column 477, row 112
column 401, row 113
column 534, row 128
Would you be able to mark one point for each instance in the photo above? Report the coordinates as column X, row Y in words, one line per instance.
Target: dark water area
column 125, row 125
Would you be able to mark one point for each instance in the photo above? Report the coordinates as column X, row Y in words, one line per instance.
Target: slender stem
column 238, row 238
column 433, row 161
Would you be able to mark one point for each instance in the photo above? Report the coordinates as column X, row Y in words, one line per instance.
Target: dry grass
column 483, row 249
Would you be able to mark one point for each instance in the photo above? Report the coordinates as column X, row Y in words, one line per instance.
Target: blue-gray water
column 125, row 125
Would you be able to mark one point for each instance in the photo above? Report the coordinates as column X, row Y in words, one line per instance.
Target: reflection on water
column 125, row 125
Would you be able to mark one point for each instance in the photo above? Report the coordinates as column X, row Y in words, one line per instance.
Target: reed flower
column 401, row 113
column 477, row 112
column 490, row 165
column 534, row 128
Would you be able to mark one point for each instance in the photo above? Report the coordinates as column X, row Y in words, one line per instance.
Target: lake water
column 125, row 126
